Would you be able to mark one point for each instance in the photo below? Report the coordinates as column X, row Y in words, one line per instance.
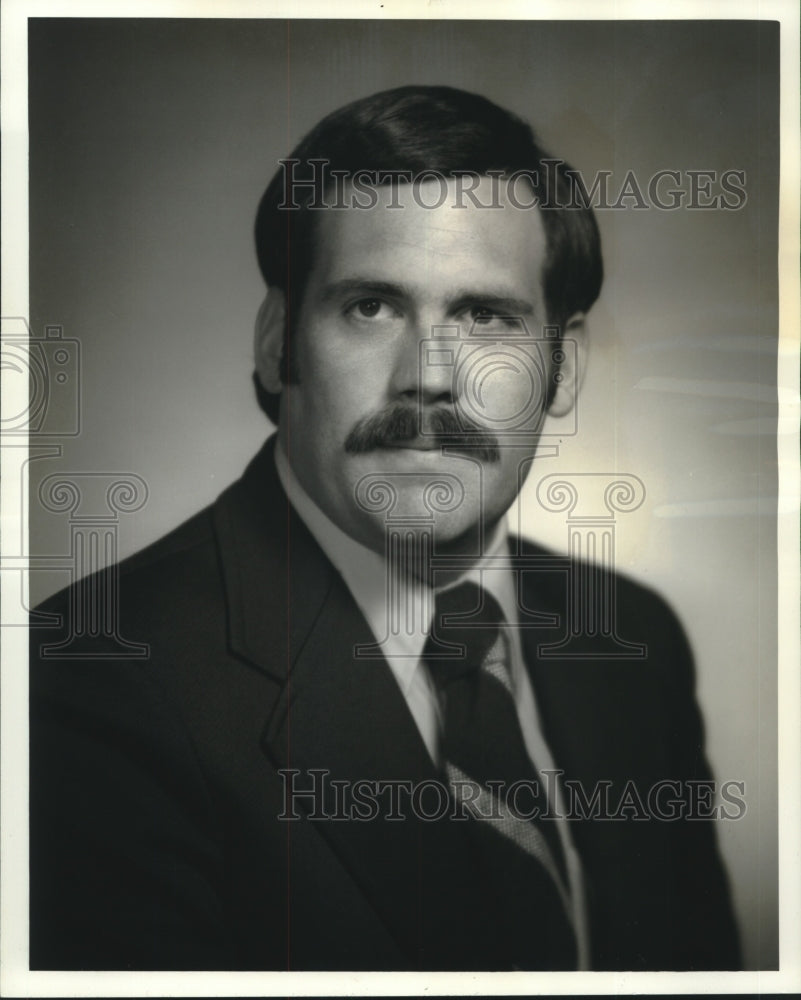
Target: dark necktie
column 522, row 881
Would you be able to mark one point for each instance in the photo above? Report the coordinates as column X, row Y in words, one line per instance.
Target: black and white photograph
column 400, row 501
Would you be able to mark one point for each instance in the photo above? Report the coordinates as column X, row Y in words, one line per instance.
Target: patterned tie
column 521, row 881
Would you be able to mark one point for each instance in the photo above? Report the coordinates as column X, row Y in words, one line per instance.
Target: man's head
column 416, row 245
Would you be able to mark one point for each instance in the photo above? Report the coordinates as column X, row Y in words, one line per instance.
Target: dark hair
column 416, row 129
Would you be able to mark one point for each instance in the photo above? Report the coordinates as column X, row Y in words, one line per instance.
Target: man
column 367, row 735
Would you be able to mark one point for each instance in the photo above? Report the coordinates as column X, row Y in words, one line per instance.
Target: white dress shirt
column 364, row 572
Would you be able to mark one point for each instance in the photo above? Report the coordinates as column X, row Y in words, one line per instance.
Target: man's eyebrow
column 365, row 287
column 498, row 301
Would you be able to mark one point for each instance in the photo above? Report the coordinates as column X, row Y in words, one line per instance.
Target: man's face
column 369, row 399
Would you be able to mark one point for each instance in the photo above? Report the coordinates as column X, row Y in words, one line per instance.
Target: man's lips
column 415, row 444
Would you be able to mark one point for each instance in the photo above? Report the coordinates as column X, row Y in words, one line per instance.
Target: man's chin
column 415, row 539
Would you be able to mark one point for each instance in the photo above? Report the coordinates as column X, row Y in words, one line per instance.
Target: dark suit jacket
column 155, row 792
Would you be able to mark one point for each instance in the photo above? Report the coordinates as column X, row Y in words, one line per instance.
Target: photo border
column 15, row 979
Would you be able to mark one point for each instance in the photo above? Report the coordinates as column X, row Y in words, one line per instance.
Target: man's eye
column 371, row 309
column 482, row 314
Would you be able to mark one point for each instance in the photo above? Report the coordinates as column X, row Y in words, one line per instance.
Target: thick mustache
column 399, row 424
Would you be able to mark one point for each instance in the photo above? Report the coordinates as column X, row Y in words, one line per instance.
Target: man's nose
column 425, row 364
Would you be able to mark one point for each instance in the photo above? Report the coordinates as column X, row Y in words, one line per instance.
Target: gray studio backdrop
column 151, row 142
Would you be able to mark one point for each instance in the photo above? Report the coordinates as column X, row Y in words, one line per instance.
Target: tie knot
column 463, row 630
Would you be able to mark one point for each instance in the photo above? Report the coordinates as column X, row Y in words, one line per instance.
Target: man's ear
column 570, row 372
column 268, row 344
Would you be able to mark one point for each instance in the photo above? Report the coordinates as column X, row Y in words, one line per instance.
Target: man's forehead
column 431, row 223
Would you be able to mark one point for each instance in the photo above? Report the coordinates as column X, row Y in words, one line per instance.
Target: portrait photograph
column 400, row 499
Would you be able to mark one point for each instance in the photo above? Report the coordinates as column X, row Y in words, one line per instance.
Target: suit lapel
column 275, row 575
column 343, row 717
